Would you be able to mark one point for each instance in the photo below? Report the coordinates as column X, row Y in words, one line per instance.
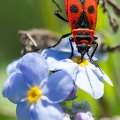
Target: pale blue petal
column 34, row 67
column 5, row 87
column 12, row 67
column 52, row 56
column 15, row 88
column 23, row 111
column 87, row 81
column 73, row 93
column 101, row 74
column 68, row 65
column 43, row 110
column 107, row 79
column 102, row 56
column 58, row 86
column 64, row 44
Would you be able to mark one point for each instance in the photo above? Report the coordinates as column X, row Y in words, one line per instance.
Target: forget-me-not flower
column 35, row 92
column 86, row 76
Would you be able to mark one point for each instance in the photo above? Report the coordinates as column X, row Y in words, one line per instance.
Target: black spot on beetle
column 91, row 9
column 73, row 9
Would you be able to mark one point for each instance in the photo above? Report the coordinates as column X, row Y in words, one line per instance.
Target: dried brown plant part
column 100, row 39
column 112, row 20
column 37, row 39
column 115, row 6
column 105, row 47
column 27, row 41
column 109, row 49
column 104, row 5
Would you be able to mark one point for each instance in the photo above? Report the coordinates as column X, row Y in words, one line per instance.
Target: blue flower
column 86, row 75
column 35, row 92
column 11, row 68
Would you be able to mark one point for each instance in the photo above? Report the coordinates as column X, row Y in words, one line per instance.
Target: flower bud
column 73, row 93
column 84, row 116
column 66, row 117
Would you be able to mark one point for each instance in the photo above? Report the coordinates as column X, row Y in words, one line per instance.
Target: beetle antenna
column 59, row 8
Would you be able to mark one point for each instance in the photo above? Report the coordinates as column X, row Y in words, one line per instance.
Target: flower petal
column 84, row 116
column 87, row 81
column 100, row 74
column 34, row 67
column 73, row 93
column 63, row 45
column 58, row 87
column 23, row 111
column 5, row 88
column 101, row 55
column 107, row 79
column 66, row 117
column 43, row 110
column 52, row 56
column 15, row 87
column 12, row 67
column 68, row 65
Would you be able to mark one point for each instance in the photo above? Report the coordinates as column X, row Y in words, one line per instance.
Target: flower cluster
column 36, row 92
column 39, row 83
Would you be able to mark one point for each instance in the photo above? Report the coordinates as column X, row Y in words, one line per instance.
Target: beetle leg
column 72, row 49
column 95, row 48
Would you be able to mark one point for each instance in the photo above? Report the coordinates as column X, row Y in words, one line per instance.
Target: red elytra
column 82, row 18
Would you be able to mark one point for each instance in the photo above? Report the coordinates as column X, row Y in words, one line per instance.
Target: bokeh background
column 18, row 15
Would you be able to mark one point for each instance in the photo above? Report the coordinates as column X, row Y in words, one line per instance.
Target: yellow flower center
column 34, row 94
column 82, row 63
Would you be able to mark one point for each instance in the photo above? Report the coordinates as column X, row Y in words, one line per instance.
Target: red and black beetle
column 82, row 18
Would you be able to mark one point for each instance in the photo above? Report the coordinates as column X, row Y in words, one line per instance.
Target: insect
column 82, row 19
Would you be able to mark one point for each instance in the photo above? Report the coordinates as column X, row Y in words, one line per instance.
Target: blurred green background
column 18, row 15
